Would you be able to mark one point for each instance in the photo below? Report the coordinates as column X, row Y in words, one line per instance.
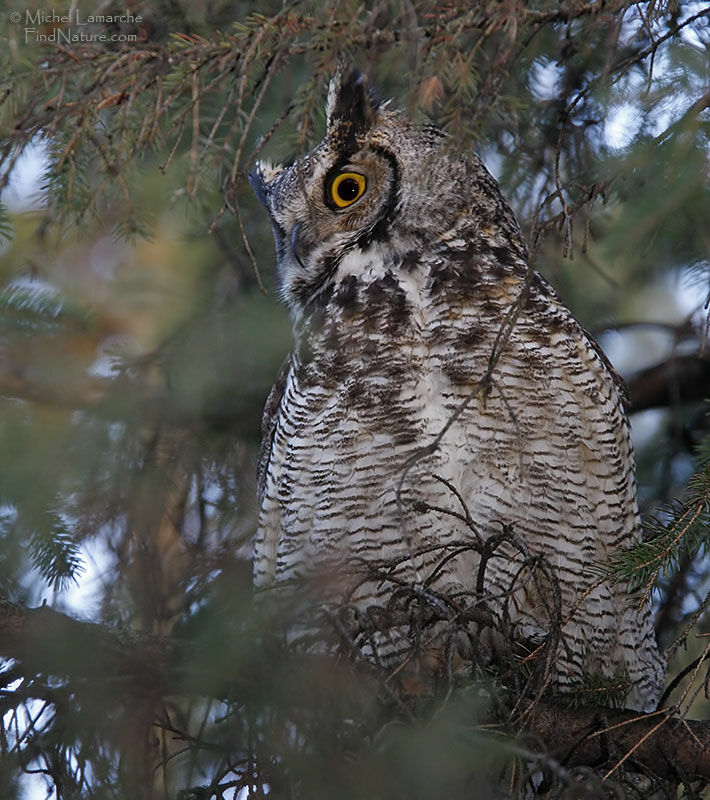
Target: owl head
column 377, row 189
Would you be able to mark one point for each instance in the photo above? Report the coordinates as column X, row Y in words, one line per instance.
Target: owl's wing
column 268, row 424
column 618, row 380
column 540, row 282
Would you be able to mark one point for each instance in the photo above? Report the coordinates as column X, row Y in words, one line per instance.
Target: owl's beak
column 258, row 184
column 295, row 244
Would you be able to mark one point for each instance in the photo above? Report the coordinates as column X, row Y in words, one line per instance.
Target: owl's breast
column 362, row 399
column 401, row 394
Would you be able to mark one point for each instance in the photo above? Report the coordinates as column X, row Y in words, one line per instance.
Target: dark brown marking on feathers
column 471, row 337
column 503, row 256
column 410, row 261
column 450, row 334
column 490, row 307
column 269, row 420
column 347, row 295
column 544, row 287
column 539, row 334
column 533, row 359
column 336, row 369
column 354, row 390
column 497, row 270
column 458, row 277
column 332, row 340
column 441, row 276
column 399, row 312
column 458, row 371
column 370, row 348
column 386, row 305
column 303, row 352
column 316, row 292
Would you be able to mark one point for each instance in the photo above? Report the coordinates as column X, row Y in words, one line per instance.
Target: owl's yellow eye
column 346, row 188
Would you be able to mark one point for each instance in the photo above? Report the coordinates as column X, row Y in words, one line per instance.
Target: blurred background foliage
column 140, row 332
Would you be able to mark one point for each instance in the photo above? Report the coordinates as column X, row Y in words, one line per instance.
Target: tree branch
column 667, row 745
column 49, row 642
column 680, row 379
column 116, row 397
column 20, row 382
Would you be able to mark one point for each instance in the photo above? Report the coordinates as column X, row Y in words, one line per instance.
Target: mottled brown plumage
column 429, row 360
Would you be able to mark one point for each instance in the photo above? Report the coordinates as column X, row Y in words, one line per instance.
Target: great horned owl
column 433, row 370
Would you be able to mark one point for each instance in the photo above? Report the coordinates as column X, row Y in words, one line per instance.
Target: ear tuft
column 349, row 102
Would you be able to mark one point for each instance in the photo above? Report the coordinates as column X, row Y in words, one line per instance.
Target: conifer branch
column 46, row 641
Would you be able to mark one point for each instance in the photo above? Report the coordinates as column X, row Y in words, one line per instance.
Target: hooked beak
column 258, row 184
column 260, row 187
column 294, row 244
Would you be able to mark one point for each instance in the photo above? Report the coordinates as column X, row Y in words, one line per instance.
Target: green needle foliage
column 676, row 533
